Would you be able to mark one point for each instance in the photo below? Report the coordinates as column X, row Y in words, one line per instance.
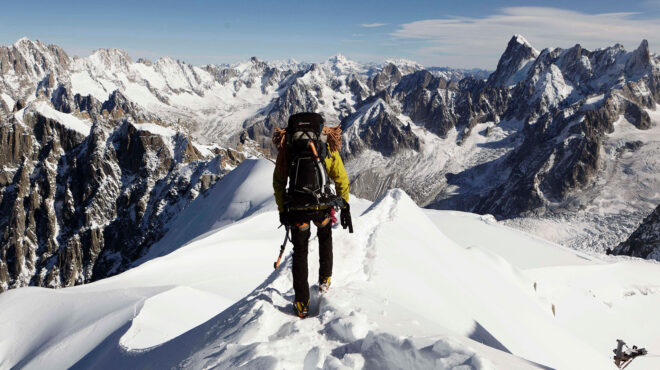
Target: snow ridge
column 477, row 310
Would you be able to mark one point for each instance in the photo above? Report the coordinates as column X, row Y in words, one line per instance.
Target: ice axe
column 276, row 264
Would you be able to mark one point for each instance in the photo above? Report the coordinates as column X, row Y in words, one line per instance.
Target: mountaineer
column 308, row 155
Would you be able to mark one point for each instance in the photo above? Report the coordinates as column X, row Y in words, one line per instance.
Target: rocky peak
column 404, row 65
column 251, row 65
column 389, row 76
column 338, row 59
column 609, row 61
column 118, row 106
column 420, row 80
column 145, row 61
column 22, row 41
column 28, row 47
column 221, row 74
column 639, row 60
column 340, row 65
column 644, row 242
column 376, row 126
column 575, row 63
column 31, row 62
column 514, row 62
column 111, row 60
column 36, row 50
column 259, row 66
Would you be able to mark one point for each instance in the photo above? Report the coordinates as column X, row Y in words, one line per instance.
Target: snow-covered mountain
column 82, row 199
column 87, row 184
column 412, row 288
column 453, row 74
column 550, row 142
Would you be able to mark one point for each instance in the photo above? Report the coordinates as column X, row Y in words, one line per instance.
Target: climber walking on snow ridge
column 308, row 156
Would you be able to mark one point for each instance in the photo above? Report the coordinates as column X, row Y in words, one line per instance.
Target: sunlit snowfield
column 412, row 288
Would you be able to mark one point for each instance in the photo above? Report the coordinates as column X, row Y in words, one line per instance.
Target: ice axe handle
column 311, row 145
column 276, row 264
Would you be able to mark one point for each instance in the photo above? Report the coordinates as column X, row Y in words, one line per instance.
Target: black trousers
column 300, row 233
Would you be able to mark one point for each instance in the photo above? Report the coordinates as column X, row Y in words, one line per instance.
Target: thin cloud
column 479, row 42
column 372, row 25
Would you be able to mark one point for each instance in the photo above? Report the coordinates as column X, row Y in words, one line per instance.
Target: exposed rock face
column 378, row 129
column 385, row 79
column 560, row 150
column 26, row 62
column 556, row 107
column 453, row 74
column 645, row 241
column 75, row 208
column 514, row 64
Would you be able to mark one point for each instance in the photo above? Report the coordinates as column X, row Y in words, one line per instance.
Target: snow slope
column 239, row 194
column 68, row 120
column 412, row 288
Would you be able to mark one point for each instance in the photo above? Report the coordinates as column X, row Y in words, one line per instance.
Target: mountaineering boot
column 324, row 285
column 301, row 308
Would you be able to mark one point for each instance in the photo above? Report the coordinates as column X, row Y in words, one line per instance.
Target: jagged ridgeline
column 86, row 185
column 79, row 207
column 98, row 153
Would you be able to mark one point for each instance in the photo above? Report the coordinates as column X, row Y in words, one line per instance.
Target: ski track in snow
column 410, row 290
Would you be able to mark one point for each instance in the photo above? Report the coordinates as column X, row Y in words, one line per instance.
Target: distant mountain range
column 100, row 153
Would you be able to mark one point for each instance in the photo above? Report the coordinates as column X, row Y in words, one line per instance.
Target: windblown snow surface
column 412, row 288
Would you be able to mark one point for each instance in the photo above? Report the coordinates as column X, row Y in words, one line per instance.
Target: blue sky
column 435, row 33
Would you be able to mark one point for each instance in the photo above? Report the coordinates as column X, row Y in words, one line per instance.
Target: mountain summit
column 514, row 63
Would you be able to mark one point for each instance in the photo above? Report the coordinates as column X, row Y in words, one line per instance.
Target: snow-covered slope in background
column 409, row 291
column 178, row 90
column 239, row 194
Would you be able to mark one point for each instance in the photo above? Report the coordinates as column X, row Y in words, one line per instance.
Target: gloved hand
column 345, row 218
column 284, row 218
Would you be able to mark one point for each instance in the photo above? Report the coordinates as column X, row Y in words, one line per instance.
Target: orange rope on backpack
column 333, row 134
column 279, row 137
column 334, row 137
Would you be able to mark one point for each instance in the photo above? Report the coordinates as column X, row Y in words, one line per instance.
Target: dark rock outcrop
column 76, row 208
column 511, row 67
column 643, row 242
column 560, row 145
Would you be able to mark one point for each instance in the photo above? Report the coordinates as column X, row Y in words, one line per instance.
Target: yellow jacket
column 333, row 164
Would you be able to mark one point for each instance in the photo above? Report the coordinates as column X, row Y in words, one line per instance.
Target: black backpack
column 307, row 148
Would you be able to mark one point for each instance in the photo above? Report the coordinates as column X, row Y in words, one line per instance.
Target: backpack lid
column 306, row 121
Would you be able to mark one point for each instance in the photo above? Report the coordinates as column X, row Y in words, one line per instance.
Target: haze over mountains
column 101, row 153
